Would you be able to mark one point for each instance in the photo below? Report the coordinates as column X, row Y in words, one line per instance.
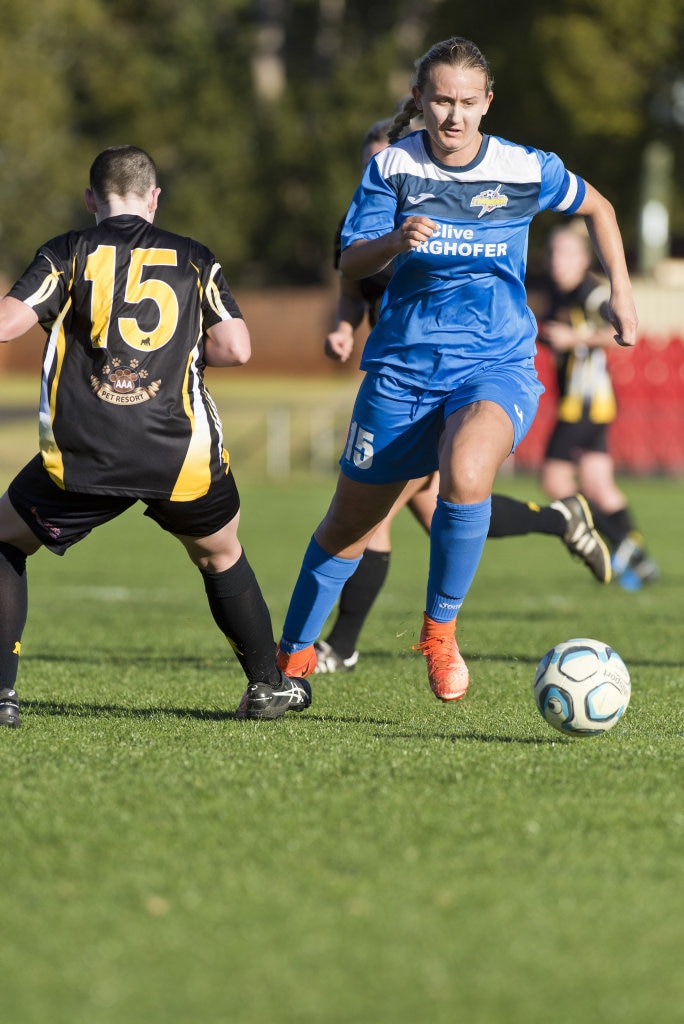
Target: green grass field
column 379, row 859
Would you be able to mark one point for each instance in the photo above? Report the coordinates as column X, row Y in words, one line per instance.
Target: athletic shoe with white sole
column 265, row 701
column 328, row 660
column 9, row 709
column 581, row 537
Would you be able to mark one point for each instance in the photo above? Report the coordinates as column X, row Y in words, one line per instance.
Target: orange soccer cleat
column 447, row 672
column 300, row 663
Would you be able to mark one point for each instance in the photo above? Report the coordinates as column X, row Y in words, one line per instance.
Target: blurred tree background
column 254, row 109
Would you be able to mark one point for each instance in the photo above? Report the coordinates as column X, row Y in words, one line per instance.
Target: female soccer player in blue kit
column 450, row 381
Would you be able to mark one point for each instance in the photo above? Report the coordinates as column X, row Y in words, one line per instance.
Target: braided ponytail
column 402, row 119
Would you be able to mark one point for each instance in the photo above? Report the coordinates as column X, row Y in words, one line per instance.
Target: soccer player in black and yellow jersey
column 576, row 329
column 133, row 314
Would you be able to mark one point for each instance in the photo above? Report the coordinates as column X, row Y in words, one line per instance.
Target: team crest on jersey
column 490, row 199
column 124, row 385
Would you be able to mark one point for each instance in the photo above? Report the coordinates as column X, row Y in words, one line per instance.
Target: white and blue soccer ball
column 582, row 687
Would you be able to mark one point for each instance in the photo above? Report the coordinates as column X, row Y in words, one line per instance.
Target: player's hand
column 414, row 231
column 561, row 337
column 339, row 345
column 623, row 318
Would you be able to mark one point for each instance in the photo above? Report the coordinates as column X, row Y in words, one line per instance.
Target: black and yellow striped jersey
column 124, row 409
column 584, row 384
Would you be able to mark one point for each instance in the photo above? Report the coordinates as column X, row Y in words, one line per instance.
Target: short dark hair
column 122, row 170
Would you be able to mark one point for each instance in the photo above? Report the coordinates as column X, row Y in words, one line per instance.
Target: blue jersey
column 456, row 304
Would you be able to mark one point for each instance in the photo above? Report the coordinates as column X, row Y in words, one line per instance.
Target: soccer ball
column 582, row 687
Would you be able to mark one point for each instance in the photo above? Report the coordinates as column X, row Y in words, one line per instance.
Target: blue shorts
column 395, row 428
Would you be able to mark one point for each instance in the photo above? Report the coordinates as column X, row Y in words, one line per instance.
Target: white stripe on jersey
column 47, row 287
column 502, row 161
column 571, row 194
column 214, row 294
column 507, row 163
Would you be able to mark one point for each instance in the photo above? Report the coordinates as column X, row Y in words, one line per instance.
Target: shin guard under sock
column 240, row 612
column 318, row 587
column 13, row 611
column 356, row 600
column 614, row 525
column 457, row 538
column 511, row 518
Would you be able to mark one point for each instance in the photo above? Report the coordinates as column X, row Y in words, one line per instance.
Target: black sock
column 615, row 526
column 511, row 518
column 356, row 600
column 242, row 615
column 13, row 611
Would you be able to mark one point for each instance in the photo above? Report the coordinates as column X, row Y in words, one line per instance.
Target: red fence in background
column 648, row 434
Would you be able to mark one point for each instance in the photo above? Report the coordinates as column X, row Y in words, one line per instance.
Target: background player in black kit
column 133, row 314
column 574, row 326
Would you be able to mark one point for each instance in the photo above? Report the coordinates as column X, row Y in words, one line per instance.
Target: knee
column 469, row 485
column 15, row 556
column 212, row 556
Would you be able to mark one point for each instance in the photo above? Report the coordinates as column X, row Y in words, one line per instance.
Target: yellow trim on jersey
column 588, row 386
column 54, row 355
column 214, row 294
column 47, row 287
column 587, row 381
column 194, row 479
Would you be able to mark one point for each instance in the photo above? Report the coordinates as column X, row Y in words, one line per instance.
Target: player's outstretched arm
column 605, row 235
column 16, row 318
column 227, row 344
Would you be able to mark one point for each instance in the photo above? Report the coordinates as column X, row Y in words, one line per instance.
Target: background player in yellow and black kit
column 575, row 327
column 133, row 314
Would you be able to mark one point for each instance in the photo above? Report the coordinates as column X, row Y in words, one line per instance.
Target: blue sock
column 318, row 587
column 457, row 538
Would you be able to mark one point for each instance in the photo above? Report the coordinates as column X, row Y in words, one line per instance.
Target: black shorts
column 569, row 441
column 61, row 518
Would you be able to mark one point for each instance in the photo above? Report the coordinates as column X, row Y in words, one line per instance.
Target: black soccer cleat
column 581, row 537
column 9, row 709
column 265, row 701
